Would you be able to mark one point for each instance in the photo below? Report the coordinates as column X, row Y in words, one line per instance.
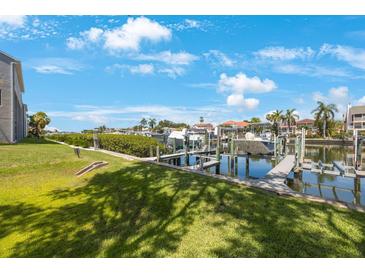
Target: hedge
column 128, row 144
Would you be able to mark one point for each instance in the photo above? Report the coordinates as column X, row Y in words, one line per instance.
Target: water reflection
column 242, row 167
column 329, row 186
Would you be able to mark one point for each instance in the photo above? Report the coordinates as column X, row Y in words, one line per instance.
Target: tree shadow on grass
column 143, row 210
column 139, row 210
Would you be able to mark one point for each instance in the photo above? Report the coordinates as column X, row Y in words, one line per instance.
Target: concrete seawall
column 328, row 142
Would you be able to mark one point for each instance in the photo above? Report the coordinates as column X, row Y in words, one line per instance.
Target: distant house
column 284, row 128
column 236, row 124
column 355, row 118
column 206, row 126
column 13, row 112
column 306, row 123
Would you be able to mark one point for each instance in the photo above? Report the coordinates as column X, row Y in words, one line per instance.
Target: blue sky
column 85, row 71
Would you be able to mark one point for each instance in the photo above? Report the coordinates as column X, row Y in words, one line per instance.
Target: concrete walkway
column 275, row 178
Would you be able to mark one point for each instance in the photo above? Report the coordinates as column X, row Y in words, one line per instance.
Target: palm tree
column 290, row 117
column 276, row 118
column 324, row 114
column 37, row 122
column 152, row 122
column 143, row 123
column 255, row 120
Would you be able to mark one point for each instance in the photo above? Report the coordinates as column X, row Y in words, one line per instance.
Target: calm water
column 328, row 186
column 257, row 166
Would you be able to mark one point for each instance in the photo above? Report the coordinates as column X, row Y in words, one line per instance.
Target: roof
column 18, row 67
column 235, row 123
column 203, row 125
column 357, row 110
column 305, row 121
column 177, row 135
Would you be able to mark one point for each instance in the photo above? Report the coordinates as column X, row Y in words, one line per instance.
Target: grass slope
column 132, row 209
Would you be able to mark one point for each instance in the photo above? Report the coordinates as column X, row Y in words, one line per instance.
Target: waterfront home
column 235, row 124
column 355, row 118
column 206, row 126
column 13, row 112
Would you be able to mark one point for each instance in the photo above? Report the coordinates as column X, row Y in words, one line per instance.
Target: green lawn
column 133, row 209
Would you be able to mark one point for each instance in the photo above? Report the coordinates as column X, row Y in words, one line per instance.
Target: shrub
column 129, row 144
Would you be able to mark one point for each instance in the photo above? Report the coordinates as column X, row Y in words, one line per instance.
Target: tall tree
column 102, row 128
column 37, row 123
column 255, row 120
column 143, row 122
column 275, row 118
column 324, row 114
column 290, row 117
column 152, row 122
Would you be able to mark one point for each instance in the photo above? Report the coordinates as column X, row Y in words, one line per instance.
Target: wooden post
column 232, row 145
column 355, row 148
column 151, row 151
column 275, row 146
column 302, row 146
column 357, row 190
column 158, row 153
column 201, row 163
column 217, row 152
column 186, row 150
column 247, row 165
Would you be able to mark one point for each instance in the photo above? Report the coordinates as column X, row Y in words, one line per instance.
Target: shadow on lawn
column 145, row 211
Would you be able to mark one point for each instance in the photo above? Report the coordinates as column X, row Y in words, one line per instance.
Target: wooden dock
column 275, row 178
column 179, row 154
column 205, row 165
column 282, row 170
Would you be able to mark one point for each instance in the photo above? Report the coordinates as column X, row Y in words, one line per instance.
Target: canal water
column 326, row 186
column 332, row 187
column 258, row 166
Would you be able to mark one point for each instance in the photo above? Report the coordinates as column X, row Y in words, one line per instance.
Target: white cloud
column 240, row 83
column 170, row 71
column 336, row 95
column 218, row 58
column 318, row 96
column 93, row 34
column 55, row 65
column 107, row 114
column 87, row 37
column 75, row 43
column 14, row 21
column 173, row 72
column 353, row 56
column 361, row 101
column 311, row 70
column 238, row 100
column 131, row 34
column 191, row 24
column 142, row 69
column 127, row 37
column 26, row 27
column 168, row 57
column 281, row 53
column 339, row 92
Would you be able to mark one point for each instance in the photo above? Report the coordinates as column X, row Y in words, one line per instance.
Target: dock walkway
column 205, row 165
column 275, row 178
